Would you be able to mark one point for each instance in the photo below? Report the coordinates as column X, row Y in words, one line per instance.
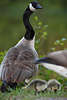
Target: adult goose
column 56, row 61
column 17, row 64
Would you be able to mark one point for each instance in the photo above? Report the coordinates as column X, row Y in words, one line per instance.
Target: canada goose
column 56, row 61
column 17, row 64
column 38, row 84
column 42, row 85
column 53, row 85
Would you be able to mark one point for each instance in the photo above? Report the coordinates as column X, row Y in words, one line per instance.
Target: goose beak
column 38, row 6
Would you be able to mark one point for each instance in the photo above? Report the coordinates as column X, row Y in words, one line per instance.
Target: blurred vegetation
column 50, row 25
column 12, row 28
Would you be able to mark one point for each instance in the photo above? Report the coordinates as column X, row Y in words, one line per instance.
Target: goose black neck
column 29, row 29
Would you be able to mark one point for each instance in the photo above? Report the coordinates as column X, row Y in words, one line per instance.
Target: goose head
column 33, row 6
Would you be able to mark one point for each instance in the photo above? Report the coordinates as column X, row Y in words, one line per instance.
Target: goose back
column 17, row 64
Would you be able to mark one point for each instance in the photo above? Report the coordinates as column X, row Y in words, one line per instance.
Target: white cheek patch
column 31, row 7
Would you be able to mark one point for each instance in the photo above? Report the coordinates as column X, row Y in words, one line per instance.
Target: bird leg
column 3, row 88
column 12, row 85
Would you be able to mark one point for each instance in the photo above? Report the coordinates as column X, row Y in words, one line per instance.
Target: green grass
column 29, row 94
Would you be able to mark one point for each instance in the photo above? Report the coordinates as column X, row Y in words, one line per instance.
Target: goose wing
column 17, row 65
column 59, row 57
column 6, row 68
column 56, row 61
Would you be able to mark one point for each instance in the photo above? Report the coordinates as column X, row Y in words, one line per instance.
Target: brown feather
column 17, row 64
column 60, row 57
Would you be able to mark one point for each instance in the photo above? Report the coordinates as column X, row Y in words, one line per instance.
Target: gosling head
column 33, row 6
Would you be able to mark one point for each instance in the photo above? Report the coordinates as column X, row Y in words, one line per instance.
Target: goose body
column 53, row 85
column 38, row 84
column 42, row 85
column 55, row 61
column 17, row 64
